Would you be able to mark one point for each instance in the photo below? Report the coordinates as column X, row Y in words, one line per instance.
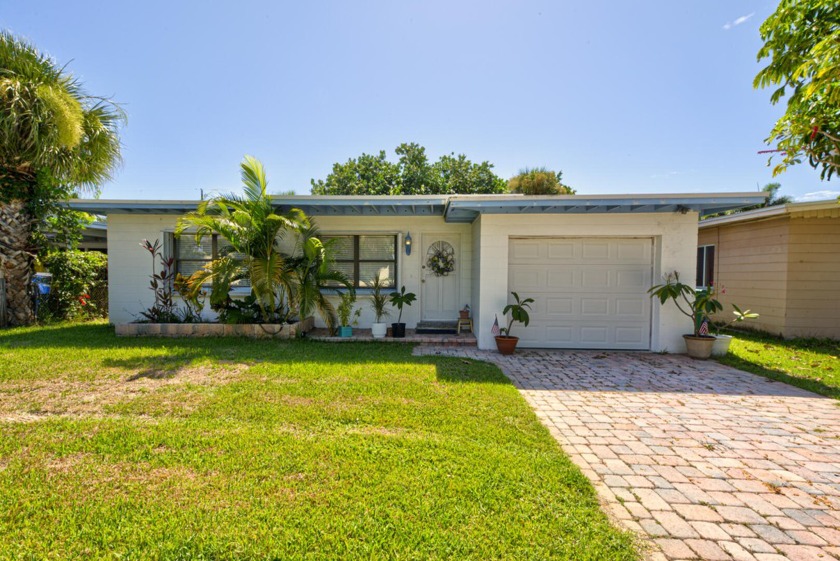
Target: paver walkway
column 706, row 461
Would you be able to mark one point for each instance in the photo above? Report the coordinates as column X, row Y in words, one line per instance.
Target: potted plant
column 347, row 316
column 695, row 304
column 378, row 301
column 722, row 341
column 464, row 313
column 505, row 342
column 400, row 299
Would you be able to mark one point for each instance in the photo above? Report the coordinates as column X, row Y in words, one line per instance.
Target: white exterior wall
column 409, row 271
column 129, row 265
column 675, row 248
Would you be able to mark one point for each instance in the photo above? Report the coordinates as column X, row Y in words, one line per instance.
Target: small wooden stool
column 465, row 322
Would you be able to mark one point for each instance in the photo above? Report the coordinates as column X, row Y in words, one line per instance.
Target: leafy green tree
column 55, row 140
column 412, row 174
column 254, row 231
column 802, row 40
column 539, row 181
column 365, row 175
column 461, row 176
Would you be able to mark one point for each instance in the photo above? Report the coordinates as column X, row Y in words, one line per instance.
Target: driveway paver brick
column 705, row 461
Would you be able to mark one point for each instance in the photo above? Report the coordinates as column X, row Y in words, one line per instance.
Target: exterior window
column 191, row 256
column 362, row 257
column 705, row 266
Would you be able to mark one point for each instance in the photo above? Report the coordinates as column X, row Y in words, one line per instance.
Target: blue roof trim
column 456, row 208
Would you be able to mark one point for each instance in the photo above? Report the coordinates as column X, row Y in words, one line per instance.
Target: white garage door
column 590, row 293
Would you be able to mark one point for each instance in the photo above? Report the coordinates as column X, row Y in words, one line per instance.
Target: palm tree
column 772, row 190
column 312, row 266
column 254, row 230
column 54, row 139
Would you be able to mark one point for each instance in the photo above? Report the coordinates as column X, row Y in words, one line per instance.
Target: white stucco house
column 586, row 260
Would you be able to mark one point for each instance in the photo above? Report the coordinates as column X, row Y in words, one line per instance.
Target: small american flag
column 704, row 327
column 495, row 329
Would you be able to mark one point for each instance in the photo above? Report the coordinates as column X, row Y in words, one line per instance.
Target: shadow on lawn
column 809, row 384
column 168, row 355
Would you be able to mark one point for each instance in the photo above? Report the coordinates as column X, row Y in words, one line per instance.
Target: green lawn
column 812, row 364
column 239, row 449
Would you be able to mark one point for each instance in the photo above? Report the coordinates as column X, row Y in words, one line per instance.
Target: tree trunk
column 16, row 260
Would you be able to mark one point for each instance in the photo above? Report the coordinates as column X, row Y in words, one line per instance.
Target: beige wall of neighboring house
column 751, row 263
column 813, row 287
column 783, row 263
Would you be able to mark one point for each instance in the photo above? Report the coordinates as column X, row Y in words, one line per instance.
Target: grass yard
column 812, row 364
column 239, row 449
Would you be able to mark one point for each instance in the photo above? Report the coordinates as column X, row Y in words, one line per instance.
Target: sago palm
column 253, row 230
column 54, row 138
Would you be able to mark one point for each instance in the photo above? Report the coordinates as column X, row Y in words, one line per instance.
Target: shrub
column 76, row 275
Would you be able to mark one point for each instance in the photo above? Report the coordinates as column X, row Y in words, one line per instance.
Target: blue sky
column 624, row 97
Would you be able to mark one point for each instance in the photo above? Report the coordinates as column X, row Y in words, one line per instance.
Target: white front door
column 439, row 298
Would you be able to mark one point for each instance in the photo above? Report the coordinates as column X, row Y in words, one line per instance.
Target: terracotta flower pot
column 699, row 347
column 464, row 314
column 506, row 345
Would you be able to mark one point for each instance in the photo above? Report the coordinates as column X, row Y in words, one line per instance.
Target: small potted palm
column 378, row 301
column 505, row 342
column 695, row 304
column 347, row 316
column 400, row 299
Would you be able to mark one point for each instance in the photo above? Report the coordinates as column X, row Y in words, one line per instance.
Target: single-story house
column 780, row 261
column 586, row 260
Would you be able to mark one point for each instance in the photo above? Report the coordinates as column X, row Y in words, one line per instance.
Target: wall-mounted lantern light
column 407, row 243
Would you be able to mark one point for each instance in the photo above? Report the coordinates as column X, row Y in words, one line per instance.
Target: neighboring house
column 782, row 262
column 95, row 237
column 586, row 260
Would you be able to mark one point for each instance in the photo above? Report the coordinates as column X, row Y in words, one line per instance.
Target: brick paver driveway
column 707, row 461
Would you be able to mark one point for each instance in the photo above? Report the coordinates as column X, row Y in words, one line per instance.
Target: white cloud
column 738, row 21
column 818, row 196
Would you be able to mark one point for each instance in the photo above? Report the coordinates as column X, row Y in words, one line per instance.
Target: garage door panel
column 593, row 335
column 526, row 250
column 625, row 307
column 559, row 278
column 632, row 252
column 529, row 279
column 633, row 280
column 589, row 293
column 595, row 250
column 594, row 307
column 629, row 335
column 554, row 305
column 560, row 251
column 558, row 333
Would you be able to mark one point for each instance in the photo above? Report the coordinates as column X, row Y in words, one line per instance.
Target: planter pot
column 699, row 347
column 345, row 331
column 721, row 345
column 398, row 329
column 378, row 330
column 506, row 345
column 463, row 314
